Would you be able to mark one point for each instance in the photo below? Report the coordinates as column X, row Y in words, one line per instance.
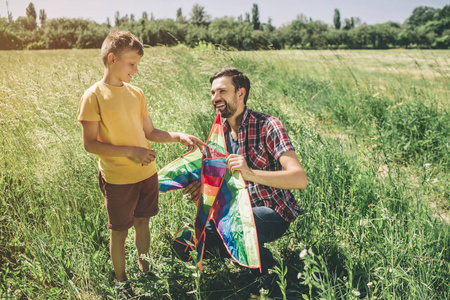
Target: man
column 261, row 150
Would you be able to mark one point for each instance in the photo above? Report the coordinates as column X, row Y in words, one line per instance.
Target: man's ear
column 111, row 58
column 241, row 93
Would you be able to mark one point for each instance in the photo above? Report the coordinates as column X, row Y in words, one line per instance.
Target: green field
column 371, row 129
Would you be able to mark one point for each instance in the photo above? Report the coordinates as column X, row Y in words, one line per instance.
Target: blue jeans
column 269, row 226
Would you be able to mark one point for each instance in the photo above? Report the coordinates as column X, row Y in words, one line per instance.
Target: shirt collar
column 245, row 119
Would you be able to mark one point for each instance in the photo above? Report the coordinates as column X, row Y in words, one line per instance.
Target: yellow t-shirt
column 120, row 111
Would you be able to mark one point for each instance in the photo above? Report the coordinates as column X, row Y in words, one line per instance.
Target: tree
column 117, row 19
column 180, row 18
column 337, row 19
column 349, row 23
column 42, row 17
column 31, row 15
column 144, row 15
column 247, row 17
column 198, row 15
column 31, row 11
column 421, row 15
column 10, row 16
column 255, row 17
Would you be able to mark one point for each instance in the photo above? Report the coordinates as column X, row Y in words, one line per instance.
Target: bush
column 36, row 46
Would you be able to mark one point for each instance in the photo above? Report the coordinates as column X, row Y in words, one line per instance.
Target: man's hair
column 238, row 79
column 119, row 41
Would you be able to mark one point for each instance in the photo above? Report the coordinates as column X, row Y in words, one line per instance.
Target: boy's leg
column 146, row 207
column 142, row 241
column 117, row 251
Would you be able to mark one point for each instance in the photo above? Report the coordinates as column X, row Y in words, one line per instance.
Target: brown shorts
column 124, row 202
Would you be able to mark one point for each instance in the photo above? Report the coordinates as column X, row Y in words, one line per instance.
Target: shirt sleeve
column 277, row 139
column 88, row 110
column 144, row 109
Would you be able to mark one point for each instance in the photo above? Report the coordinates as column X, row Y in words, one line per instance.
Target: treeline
column 427, row 27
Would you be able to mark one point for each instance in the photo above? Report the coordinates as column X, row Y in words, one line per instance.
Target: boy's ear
column 111, row 58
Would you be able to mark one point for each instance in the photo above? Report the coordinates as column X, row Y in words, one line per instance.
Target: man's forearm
column 284, row 179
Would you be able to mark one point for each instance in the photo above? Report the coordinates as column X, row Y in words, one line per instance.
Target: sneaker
column 125, row 291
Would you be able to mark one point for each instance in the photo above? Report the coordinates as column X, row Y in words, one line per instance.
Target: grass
column 371, row 129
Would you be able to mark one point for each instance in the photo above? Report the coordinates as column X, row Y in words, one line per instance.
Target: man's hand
column 191, row 142
column 237, row 162
column 193, row 190
column 143, row 156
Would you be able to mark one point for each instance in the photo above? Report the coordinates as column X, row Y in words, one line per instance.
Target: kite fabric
column 224, row 200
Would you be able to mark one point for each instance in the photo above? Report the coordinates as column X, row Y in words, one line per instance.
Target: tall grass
column 370, row 128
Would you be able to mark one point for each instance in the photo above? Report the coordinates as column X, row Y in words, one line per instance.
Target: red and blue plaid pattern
column 262, row 140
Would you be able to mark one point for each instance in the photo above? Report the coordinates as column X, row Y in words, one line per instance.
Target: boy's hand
column 143, row 155
column 193, row 190
column 191, row 142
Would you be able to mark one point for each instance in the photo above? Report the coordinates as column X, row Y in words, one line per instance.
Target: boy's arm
column 93, row 145
column 160, row 136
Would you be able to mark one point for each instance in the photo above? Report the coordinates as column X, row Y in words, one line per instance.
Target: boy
column 116, row 126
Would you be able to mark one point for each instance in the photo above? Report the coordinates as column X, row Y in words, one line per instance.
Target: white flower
column 299, row 275
column 370, row 283
column 390, row 270
column 435, row 180
column 427, row 165
column 303, row 253
column 356, row 293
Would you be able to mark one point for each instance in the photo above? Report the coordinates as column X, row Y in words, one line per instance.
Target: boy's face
column 124, row 65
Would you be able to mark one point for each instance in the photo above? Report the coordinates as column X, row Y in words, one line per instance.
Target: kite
column 224, row 200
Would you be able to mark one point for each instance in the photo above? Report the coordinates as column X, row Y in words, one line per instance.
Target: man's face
column 224, row 97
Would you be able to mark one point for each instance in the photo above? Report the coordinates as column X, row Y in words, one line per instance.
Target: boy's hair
column 238, row 79
column 118, row 41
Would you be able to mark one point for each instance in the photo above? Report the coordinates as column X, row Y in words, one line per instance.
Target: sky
column 281, row 12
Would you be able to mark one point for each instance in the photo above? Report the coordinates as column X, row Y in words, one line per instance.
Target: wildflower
column 390, row 270
column 303, row 253
column 370, row 283
column 299, row 275
column 356, row 293
column 427, row 165
column 435, row 180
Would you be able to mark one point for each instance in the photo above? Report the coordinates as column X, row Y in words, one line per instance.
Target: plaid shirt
column 262, row 140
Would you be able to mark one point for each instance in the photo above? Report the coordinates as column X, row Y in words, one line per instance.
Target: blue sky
column 280, row 11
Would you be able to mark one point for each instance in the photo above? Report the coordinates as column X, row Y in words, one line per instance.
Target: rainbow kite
column 224, row 200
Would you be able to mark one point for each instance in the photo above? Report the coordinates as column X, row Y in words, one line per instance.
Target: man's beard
column 230, row 109
column 228, row 112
